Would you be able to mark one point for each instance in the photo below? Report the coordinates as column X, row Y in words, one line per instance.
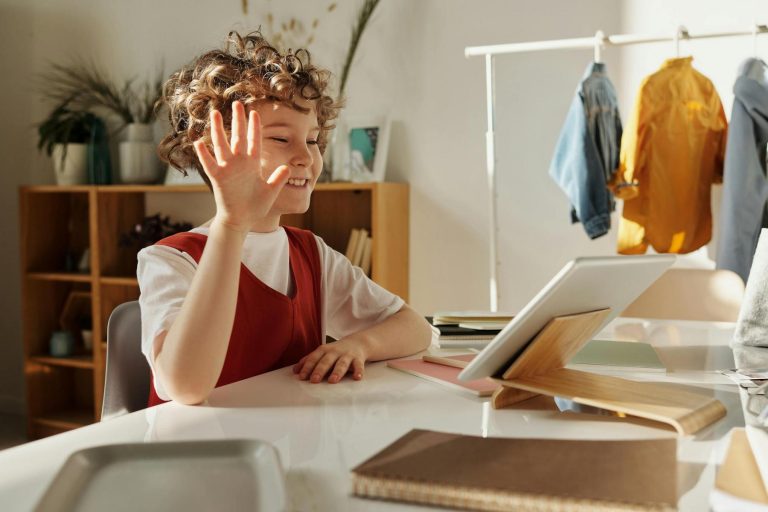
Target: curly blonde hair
column 250, row 70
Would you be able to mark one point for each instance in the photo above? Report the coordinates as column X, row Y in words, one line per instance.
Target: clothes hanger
column 599, row 42
column 680, row 33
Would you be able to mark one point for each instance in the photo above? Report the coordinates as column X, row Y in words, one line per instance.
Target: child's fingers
column 279, row 178
column 297, row 366
column 254, row 134
column 340, row 370
column 219, row 138
column 357, row 369
column 322, row 367
column 309, row 363
column 206, row 158
column 238, row 128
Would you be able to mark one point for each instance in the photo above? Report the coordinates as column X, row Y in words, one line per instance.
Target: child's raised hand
column 242, row 194
column 333, row 359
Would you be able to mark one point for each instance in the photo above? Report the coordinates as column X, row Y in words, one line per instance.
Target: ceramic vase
column 72, row 169
column 138, row 160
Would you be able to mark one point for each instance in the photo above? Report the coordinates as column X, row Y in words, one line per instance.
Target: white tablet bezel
column 583, row 285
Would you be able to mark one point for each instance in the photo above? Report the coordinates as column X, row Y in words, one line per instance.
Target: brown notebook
column 500, row 474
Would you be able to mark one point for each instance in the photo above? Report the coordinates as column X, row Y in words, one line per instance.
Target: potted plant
column 89, row 88
column 152, row 229
column 64, row 135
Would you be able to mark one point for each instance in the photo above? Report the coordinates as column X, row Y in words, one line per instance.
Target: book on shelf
column 365, row 263
column 352, row 244
column 360, row 247
column 470, row 316
column 494, row 474
column 445, row 375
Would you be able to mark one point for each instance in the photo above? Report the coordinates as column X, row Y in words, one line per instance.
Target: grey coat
column 745, row 188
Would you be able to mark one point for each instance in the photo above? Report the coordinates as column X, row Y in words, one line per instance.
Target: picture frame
column 360, row 149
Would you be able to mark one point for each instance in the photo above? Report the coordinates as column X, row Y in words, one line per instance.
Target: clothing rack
column 597, row 42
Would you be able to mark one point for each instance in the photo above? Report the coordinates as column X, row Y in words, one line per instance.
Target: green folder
column 627, row 355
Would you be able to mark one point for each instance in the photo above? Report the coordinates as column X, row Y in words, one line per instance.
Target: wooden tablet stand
column 539, row 370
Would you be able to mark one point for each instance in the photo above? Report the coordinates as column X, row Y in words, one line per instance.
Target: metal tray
column 191, row 475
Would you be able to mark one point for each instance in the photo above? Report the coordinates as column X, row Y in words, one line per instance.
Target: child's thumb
column 279, row 177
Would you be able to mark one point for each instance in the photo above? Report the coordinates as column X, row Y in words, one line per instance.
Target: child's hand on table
column 333, row 359
column 242, row 193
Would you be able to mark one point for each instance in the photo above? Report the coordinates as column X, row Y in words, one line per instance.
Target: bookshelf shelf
column 60, row 276
column 82, row 361
column 59, row 223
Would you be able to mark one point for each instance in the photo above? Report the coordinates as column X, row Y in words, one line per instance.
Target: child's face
column 290, row 137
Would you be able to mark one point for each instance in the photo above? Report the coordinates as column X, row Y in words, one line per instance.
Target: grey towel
column 752, row 326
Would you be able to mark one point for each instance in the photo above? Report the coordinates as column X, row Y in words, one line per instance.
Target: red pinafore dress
column 271, row 330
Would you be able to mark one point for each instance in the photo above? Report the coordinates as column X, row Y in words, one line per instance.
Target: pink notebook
column 445, row 375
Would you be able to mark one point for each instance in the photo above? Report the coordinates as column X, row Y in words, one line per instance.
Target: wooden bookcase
column 59, row 223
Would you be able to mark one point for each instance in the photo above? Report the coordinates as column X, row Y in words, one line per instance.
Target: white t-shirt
column 350, row 301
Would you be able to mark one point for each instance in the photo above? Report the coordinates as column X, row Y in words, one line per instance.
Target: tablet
column 583, row 285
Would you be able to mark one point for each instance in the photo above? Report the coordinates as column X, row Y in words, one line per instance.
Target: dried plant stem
column 366, row 11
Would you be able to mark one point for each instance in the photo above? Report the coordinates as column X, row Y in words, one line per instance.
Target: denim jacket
column 745, row 187
column 587, row 152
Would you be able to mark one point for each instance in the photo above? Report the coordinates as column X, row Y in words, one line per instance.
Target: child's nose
column 302, row 156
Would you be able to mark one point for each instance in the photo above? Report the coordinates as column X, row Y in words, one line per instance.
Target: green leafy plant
column 87, row 87
column 64, row 126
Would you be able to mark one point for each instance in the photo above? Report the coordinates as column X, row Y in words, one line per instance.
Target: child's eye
column 279, row 139
column 312, row 142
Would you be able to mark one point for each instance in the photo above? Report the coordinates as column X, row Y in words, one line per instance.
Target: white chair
column 691, row 294
column 126, row 382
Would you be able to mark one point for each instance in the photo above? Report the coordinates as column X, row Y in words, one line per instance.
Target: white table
column 321, row 431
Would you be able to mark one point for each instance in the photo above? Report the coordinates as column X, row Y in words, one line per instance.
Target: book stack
column 468, row 329
column 359, row 249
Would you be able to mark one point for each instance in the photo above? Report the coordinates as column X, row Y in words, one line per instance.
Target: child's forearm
column 190, row 357
column 404, row 333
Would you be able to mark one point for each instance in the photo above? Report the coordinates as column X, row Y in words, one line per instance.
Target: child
column 242, row 295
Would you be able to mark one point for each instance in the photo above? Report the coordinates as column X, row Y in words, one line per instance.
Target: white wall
column 411, row 65
column 446, row 150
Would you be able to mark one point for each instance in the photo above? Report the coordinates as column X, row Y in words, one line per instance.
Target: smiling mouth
column 298, row 182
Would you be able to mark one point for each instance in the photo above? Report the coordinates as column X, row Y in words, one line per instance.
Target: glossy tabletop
column 321, row 431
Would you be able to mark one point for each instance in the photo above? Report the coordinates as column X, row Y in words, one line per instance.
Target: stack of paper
column 468, row 329
column 473, row 319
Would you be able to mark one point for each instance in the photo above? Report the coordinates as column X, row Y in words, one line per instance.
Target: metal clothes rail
column 598, row 42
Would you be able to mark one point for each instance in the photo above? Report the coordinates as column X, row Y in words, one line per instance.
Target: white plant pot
column 138, row 162
column 73, row 169
column 138, row 132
